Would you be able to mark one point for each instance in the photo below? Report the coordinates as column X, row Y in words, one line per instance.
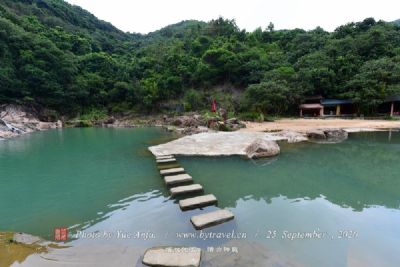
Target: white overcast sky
column 149, row 15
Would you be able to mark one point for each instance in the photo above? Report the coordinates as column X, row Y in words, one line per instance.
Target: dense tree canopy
column 61, row 57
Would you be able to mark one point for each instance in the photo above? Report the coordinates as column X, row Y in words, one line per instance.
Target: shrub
column 193, row 100
column 94, row 115
column 251, row 116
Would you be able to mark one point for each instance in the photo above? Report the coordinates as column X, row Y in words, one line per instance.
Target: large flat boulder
column 213, row 144
column 262, row 148
column 172, row 257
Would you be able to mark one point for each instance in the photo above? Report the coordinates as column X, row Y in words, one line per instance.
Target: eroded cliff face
column 16, row 120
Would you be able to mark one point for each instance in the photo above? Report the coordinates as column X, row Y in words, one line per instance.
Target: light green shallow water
column 105, row 180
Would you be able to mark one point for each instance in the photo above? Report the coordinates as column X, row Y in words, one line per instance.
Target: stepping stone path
column 175, row 177
column 186, row 189
column 178, row 179
column 197, row 202
column 183, row 256
column 172, row 257
column 211, row 218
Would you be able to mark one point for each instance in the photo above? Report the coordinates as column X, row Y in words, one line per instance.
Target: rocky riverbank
column 17, row 120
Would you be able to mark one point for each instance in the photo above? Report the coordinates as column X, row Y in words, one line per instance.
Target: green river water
column 105, row 180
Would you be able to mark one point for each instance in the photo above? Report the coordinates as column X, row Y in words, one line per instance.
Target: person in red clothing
column 214, row 106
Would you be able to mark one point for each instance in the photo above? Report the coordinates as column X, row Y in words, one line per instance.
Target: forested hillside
column 61, row 57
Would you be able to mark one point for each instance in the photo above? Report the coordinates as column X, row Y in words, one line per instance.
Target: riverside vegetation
column 61, row 58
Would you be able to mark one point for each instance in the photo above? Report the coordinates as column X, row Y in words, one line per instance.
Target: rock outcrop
column 336, row 135
column 26, row 239
column 327, row 135
column 16, row 120
column 212, row 144
column 291, row 136
column 235, row 124
column 194, row 123
column 316, row 134
column 187, row 121
column 262, row 148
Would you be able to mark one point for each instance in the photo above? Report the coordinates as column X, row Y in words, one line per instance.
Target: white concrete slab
column 165, row 157
column 166, row 160
column 172, row 171
column 178, row 179
column 211, row 218
column 197, row 202
column 186, row 189
column 172, row 257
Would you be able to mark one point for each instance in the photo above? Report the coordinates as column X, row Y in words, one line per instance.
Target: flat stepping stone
column 165, row 160
column 168, row 166
column 211, row 218
column 178, row 179
column 198, row 202
column 165, row 157
column 172, row 257
column 186, row 189
column 172, row 171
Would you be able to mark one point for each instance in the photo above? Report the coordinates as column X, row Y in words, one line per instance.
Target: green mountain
column 60, row 57
column 397, row 22
column 72, row 19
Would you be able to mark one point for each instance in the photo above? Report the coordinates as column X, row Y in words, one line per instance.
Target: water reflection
column 73, row 177
column 359, row 173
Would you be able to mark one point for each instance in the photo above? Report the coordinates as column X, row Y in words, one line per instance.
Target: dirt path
column 303, row 125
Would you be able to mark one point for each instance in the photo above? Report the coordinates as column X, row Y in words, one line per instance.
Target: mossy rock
column 12, row 251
